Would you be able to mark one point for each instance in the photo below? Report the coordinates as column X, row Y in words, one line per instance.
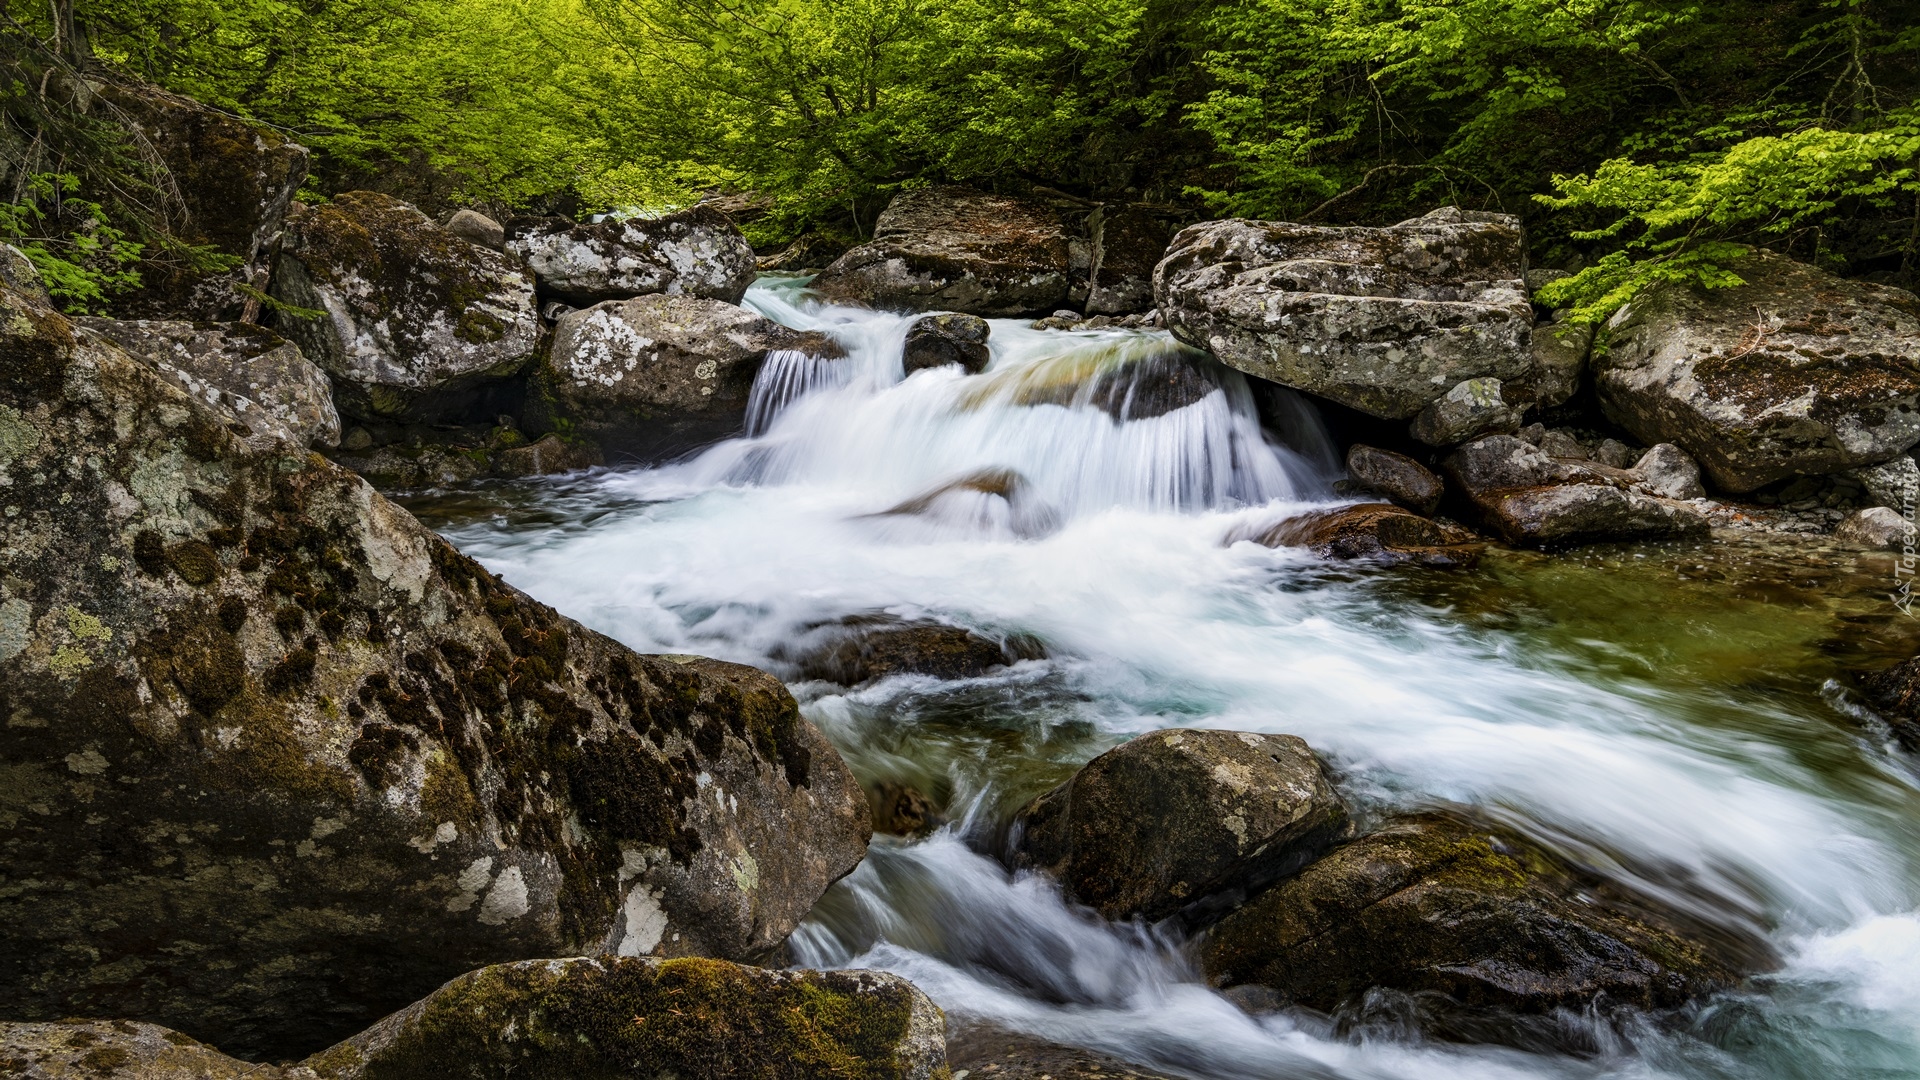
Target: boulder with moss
column 278, row 760
column 413, row 322
column 693, row 252
column 1795, row 372
column 123, row 1049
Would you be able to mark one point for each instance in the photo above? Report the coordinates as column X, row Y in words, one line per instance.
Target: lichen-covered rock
column 1377, row 532
column 417, row 320
column 1796, row 372
column 1397, row 476
column 1437, row 903
column 657, row 375
column 1472, row 408
column 18, row 274
column 252, row 372
column 235, row 182
column 1533, row 499
column 1668, row 472
column 938, row 340
column 1127, row 245
column 1384, row 320
column 615, row 1018
column 1893, row 483
column 693, row 252
column 956, row 249
column 1559, row 364
column 120, row 1049
column 863, row 648
column 1184, row 822
column 279, row 760
column 1876, row 528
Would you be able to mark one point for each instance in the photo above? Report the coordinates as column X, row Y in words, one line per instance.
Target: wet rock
column 657, row 375
column 251, row 372
column 1127, row 245
column 1437, row 903
column 418, row 320
column 1795, row 372
column 1533, row 499
column 695, row 252
column 862, row 649
column 902, row 810
column 1373, row 531
column 93, row 1049
column 1126, row 381
column 1397, row 476
column 1471, row 408
column 1894, row 483
column 1614, row 454
column 477, row 228
column 615, row 1018
column 989, row 502
column 991, row 1053
column 1895, row 694
column 547, row 456
column 1876, row 528
column 236, row 182
column 280, row 760
column 939, row 340
column 1668, row 472
column 1182, row 822
column 956, row 249
column 1384, row 320
column 1559, row 364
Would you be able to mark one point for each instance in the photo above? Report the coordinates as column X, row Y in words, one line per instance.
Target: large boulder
column 1536, row 500
column 1384, row 320
column 1435, row 903
column 693, row 252
column 234, row 182
column 1127, row 245
column 659, row 374
column 279, row 760
column 1375, row 532
column 416, row 321
column 956, row 249
column 1184, row 822
column 251, row 372
column 1795, row 372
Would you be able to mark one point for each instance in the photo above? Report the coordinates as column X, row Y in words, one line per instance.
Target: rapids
column 1665, row 713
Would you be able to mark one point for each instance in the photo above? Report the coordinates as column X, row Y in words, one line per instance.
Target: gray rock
column 1668, row 472
column 1540, row 277
column 1182, row 822
column 863, row 648
column 1876, row 528
column 659, row 374
column 1472, row 408
column 993, row 1053
column 1127, row 245
column 1536, row 500
column 1614, row 453
column 939, row 340
column 1559, row 363
column 1397, row 476
column 631, row 1019
column 127, row 1050
column 956, row 249
column 253, row 373
column 1794, row 372
column 477, row 228
column 1894, row 483
column 18, row 273
column 1384, row 320
column 417, row 320
column 696, row 252
column 280, row 760
column 1562, row 444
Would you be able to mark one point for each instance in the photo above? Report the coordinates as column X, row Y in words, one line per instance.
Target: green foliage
column 80, row 262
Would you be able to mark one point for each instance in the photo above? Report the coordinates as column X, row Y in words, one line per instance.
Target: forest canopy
column 1639, row 138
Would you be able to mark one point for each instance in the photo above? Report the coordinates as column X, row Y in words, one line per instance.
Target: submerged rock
column 902, row 810
column 1437, row 903
column 280, row 760
column 939, row 340
column 417, row 320
column 1382, row 320
column 988, row 503
column 1533, row 499
column 695, row 252
column 956, row 249
column 635, row 1019
column 1184, row 822
column 546, row 456
column 993, row 1053
column 1795, row 372
column 1397, row 476
column 657, row 375
column 1127, row 245
column 1373, row 531
column 861, row 649
column 251, row 372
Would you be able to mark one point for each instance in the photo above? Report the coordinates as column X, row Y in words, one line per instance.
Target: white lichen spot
column 306, row 849
column 644, row 923
column 16, row 627
column 87, row 762
column 471, row 881
column 507, row 899
column 746, row 872
column 446, row 833
column 324, row 827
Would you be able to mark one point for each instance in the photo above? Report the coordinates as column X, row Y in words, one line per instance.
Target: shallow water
column 1676, row 715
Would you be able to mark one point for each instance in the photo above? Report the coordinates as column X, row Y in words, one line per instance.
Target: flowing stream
column 1667, row 713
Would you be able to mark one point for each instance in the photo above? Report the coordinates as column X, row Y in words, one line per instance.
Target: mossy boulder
column 1437, row 903
column 1186, row 822
column 278, row 760
column 1796, row 372
column 1384, row 320
column 615, row 1018
column 1376, row 532
column 417, row 322
column 949, row 248
column 693, row 252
